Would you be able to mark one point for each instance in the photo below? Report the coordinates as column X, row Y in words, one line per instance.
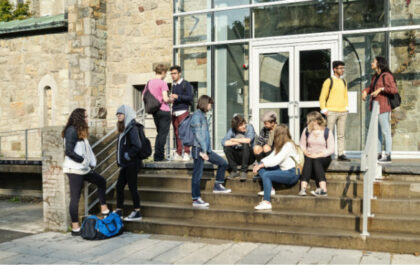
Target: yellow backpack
column 299, row 164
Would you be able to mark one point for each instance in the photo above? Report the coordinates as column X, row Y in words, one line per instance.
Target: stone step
column 400, row 243
column 396, row 206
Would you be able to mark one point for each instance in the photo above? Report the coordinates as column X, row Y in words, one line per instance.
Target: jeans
column 76, row 184
column 385, row 129
column 315, row 167
column 128, row 175
column 338, row 118
column 176, row 121
column 162, row 121
column 275, row 174
column 239, row 155
column 198, row 170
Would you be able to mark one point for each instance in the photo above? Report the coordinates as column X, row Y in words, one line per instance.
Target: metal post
column 26, row 145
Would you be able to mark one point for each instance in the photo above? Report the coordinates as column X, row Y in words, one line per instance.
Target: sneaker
column 264, row 205
column 385, row 159
column 233, row 175
column 177, row 157
column 244, row 176
column 302, row 192
column 186, row 158
column 134, row 216
column 200, row 203
column 75, row 232
column 106, row 213
column 272, row 193
column 119, row 212
column 343, row 158
column 319, row 193
column 219, row 188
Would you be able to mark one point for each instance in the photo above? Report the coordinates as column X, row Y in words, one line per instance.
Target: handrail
column 369, row 165
column 23, row 133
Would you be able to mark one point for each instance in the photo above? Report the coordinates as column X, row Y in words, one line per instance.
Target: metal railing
column 111, row 159
column 369, row 165
column 31, row 139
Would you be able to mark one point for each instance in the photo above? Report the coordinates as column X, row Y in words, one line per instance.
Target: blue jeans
column 198, row 170
column 385, row 129
column 268, row 175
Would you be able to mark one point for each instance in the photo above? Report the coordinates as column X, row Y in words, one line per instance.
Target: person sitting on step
column 279, row 166
column 237, row 145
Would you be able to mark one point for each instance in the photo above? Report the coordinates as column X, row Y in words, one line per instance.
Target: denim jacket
column 250, row 133
column 200, row 129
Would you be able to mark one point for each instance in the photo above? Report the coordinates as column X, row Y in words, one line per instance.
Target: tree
column 8, row 13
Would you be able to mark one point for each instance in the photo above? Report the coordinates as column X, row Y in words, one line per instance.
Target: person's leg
column 341, row 129
column 222, row 166
column 267, row 149
column 380, row 132
column 320, row 166
column 245, row 156
column 332, row 120
column 132, row 175
column 75, row 183
column 164, row 123
column 197, row 173
column 258, row 149
column 231, row 158
column 306, row 173
column 157, row 143
column 268, row 176
column 175, row 125
column 122, row 180
column 100, row 182
column 384, row 119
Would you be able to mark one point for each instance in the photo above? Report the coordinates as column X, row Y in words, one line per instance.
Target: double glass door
column 287, row 79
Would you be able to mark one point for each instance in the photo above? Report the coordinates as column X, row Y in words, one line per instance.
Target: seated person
column 264, row 143
column 237, row 146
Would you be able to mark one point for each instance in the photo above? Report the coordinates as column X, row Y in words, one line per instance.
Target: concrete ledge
column 21, row 168
column 21, row 193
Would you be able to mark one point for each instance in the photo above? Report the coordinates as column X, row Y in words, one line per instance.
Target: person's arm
column 276, row 159
column 188, row 96
column 303, row 140
column 346, row 96
column 199, row 135
column 323, row 96
column 165, row 96
column 367, row 90
column 228, row 140
column 71, row 141
column 135, row 144
column 250, row 133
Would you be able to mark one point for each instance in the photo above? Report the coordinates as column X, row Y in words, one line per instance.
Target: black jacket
column 71, row 140
column 185, row 96
column 129, row 146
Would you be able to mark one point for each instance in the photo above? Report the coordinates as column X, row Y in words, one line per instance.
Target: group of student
column 273, row 152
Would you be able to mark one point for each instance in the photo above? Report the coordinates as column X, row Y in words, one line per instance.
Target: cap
column 269, row 116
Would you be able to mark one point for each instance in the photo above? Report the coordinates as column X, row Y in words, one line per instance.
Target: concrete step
column 400, row 243
column 396, row 206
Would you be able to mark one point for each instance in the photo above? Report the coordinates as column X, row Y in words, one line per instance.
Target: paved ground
column 23, row 217
column 53, row 248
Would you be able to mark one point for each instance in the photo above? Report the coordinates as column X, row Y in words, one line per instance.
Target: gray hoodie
column 130, row 115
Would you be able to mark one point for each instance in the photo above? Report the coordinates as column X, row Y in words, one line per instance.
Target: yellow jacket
column 338, row 100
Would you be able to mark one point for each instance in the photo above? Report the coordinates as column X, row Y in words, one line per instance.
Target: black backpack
column 146, row 147
column 151, row 104
column 394, row 99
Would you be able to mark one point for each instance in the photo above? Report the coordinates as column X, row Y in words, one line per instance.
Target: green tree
column 8, row 13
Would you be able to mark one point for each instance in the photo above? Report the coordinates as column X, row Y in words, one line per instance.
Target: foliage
column 8, row 12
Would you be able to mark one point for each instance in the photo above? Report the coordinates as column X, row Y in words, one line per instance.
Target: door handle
column 297, row 112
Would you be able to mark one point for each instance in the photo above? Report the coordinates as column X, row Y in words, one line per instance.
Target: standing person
column 128, row 148
column 78, row 163
column 162, row 117
column 201, row 151
column 264, row 143
column 382, row 84
column 317, row 143
column 335, row 104
column 279, row 166
column 237, row 145
column 182, row 96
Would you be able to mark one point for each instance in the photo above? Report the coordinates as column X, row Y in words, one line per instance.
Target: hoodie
column 129, row 145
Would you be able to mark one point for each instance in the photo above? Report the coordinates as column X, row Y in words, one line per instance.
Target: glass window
column 405, row 65
column 359, row 51
column 274, row 77
column 362, row 14
column 191, row 5
column 404, row 12
column 232, row 24
column 192, row 29
column 231, row 87
column 226, row 3
column 298, row 18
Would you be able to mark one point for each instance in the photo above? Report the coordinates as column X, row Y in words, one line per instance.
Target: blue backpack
column 185, row 133
column 94, row 228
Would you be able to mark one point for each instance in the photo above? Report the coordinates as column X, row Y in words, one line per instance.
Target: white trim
column 394, row 154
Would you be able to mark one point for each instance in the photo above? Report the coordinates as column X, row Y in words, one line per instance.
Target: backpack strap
column 329, row 91
column 326, row 134
column 307, row 136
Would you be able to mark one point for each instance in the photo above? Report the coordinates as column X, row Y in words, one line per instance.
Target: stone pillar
column 55, row 189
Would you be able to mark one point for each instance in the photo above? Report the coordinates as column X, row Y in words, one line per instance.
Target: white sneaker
column 186, row 158
column 272, row 193
column 177, row 157
column 264, row 205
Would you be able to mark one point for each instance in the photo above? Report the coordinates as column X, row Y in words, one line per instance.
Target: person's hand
column 364, row 95
column 325, row 113
column 376, row 92
column 257, row 168
column 204, row 156
column 174, row 96
column 307, row 153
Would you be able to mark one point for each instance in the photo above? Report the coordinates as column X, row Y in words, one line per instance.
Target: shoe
column 134, row 216
column 302, row 192
column 343, row 158
column 219, row 188
column 186, row 157
column 233, row 175
column 319, row 193
column 200, row 203
column 105, row 214
column 177, row 157
column 119, row 212
column 244, row 176
column 75, row 232
column 264, row 205
column 272, row 193
column 385, row 159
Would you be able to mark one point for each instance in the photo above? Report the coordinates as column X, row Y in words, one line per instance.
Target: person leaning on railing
column 78, row 164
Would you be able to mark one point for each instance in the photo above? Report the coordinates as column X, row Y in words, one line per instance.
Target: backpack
column 151, row 104
column 326, row 133
column 331, row 85
column 394, row 99
column 185, row 133
column 94, row 228
column 299, row 164
column 146, row 147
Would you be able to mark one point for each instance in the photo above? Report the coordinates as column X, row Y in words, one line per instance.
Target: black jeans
column 260, row 156
column 162, row 121
column 315, row 167
column 239, row 156
column 128, row 175
column 76, row 184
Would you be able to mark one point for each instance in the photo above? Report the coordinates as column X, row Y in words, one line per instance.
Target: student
column 237, row 145
column 334, row 105
column 317, row 143
column 78, row 164
column 128, row 148
column 182, row 96
column 264, row 143
column 279, row 166
column 382, row 84
column 162, row 117
column 201, row 151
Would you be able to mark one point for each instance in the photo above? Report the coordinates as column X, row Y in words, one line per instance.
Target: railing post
column 26, row 145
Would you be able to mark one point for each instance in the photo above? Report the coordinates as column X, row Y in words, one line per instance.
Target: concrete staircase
column 333, row 221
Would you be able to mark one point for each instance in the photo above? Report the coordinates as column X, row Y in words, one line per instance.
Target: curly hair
column 77, row 119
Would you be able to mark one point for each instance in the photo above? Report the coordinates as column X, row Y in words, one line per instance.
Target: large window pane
column 359, row 51
column 362, row 14
column 192, row 29
column 405, row 12
column 299, row 18
column 231, row 87
column 405, row 65
column 232, row 24
column 225, row 3
column 191, row 5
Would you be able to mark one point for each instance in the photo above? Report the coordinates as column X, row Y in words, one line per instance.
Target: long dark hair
column 382, row 64
column 77, row 119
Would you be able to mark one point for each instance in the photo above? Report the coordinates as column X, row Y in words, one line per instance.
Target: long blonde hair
column 315, row 116
column 281, row 137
